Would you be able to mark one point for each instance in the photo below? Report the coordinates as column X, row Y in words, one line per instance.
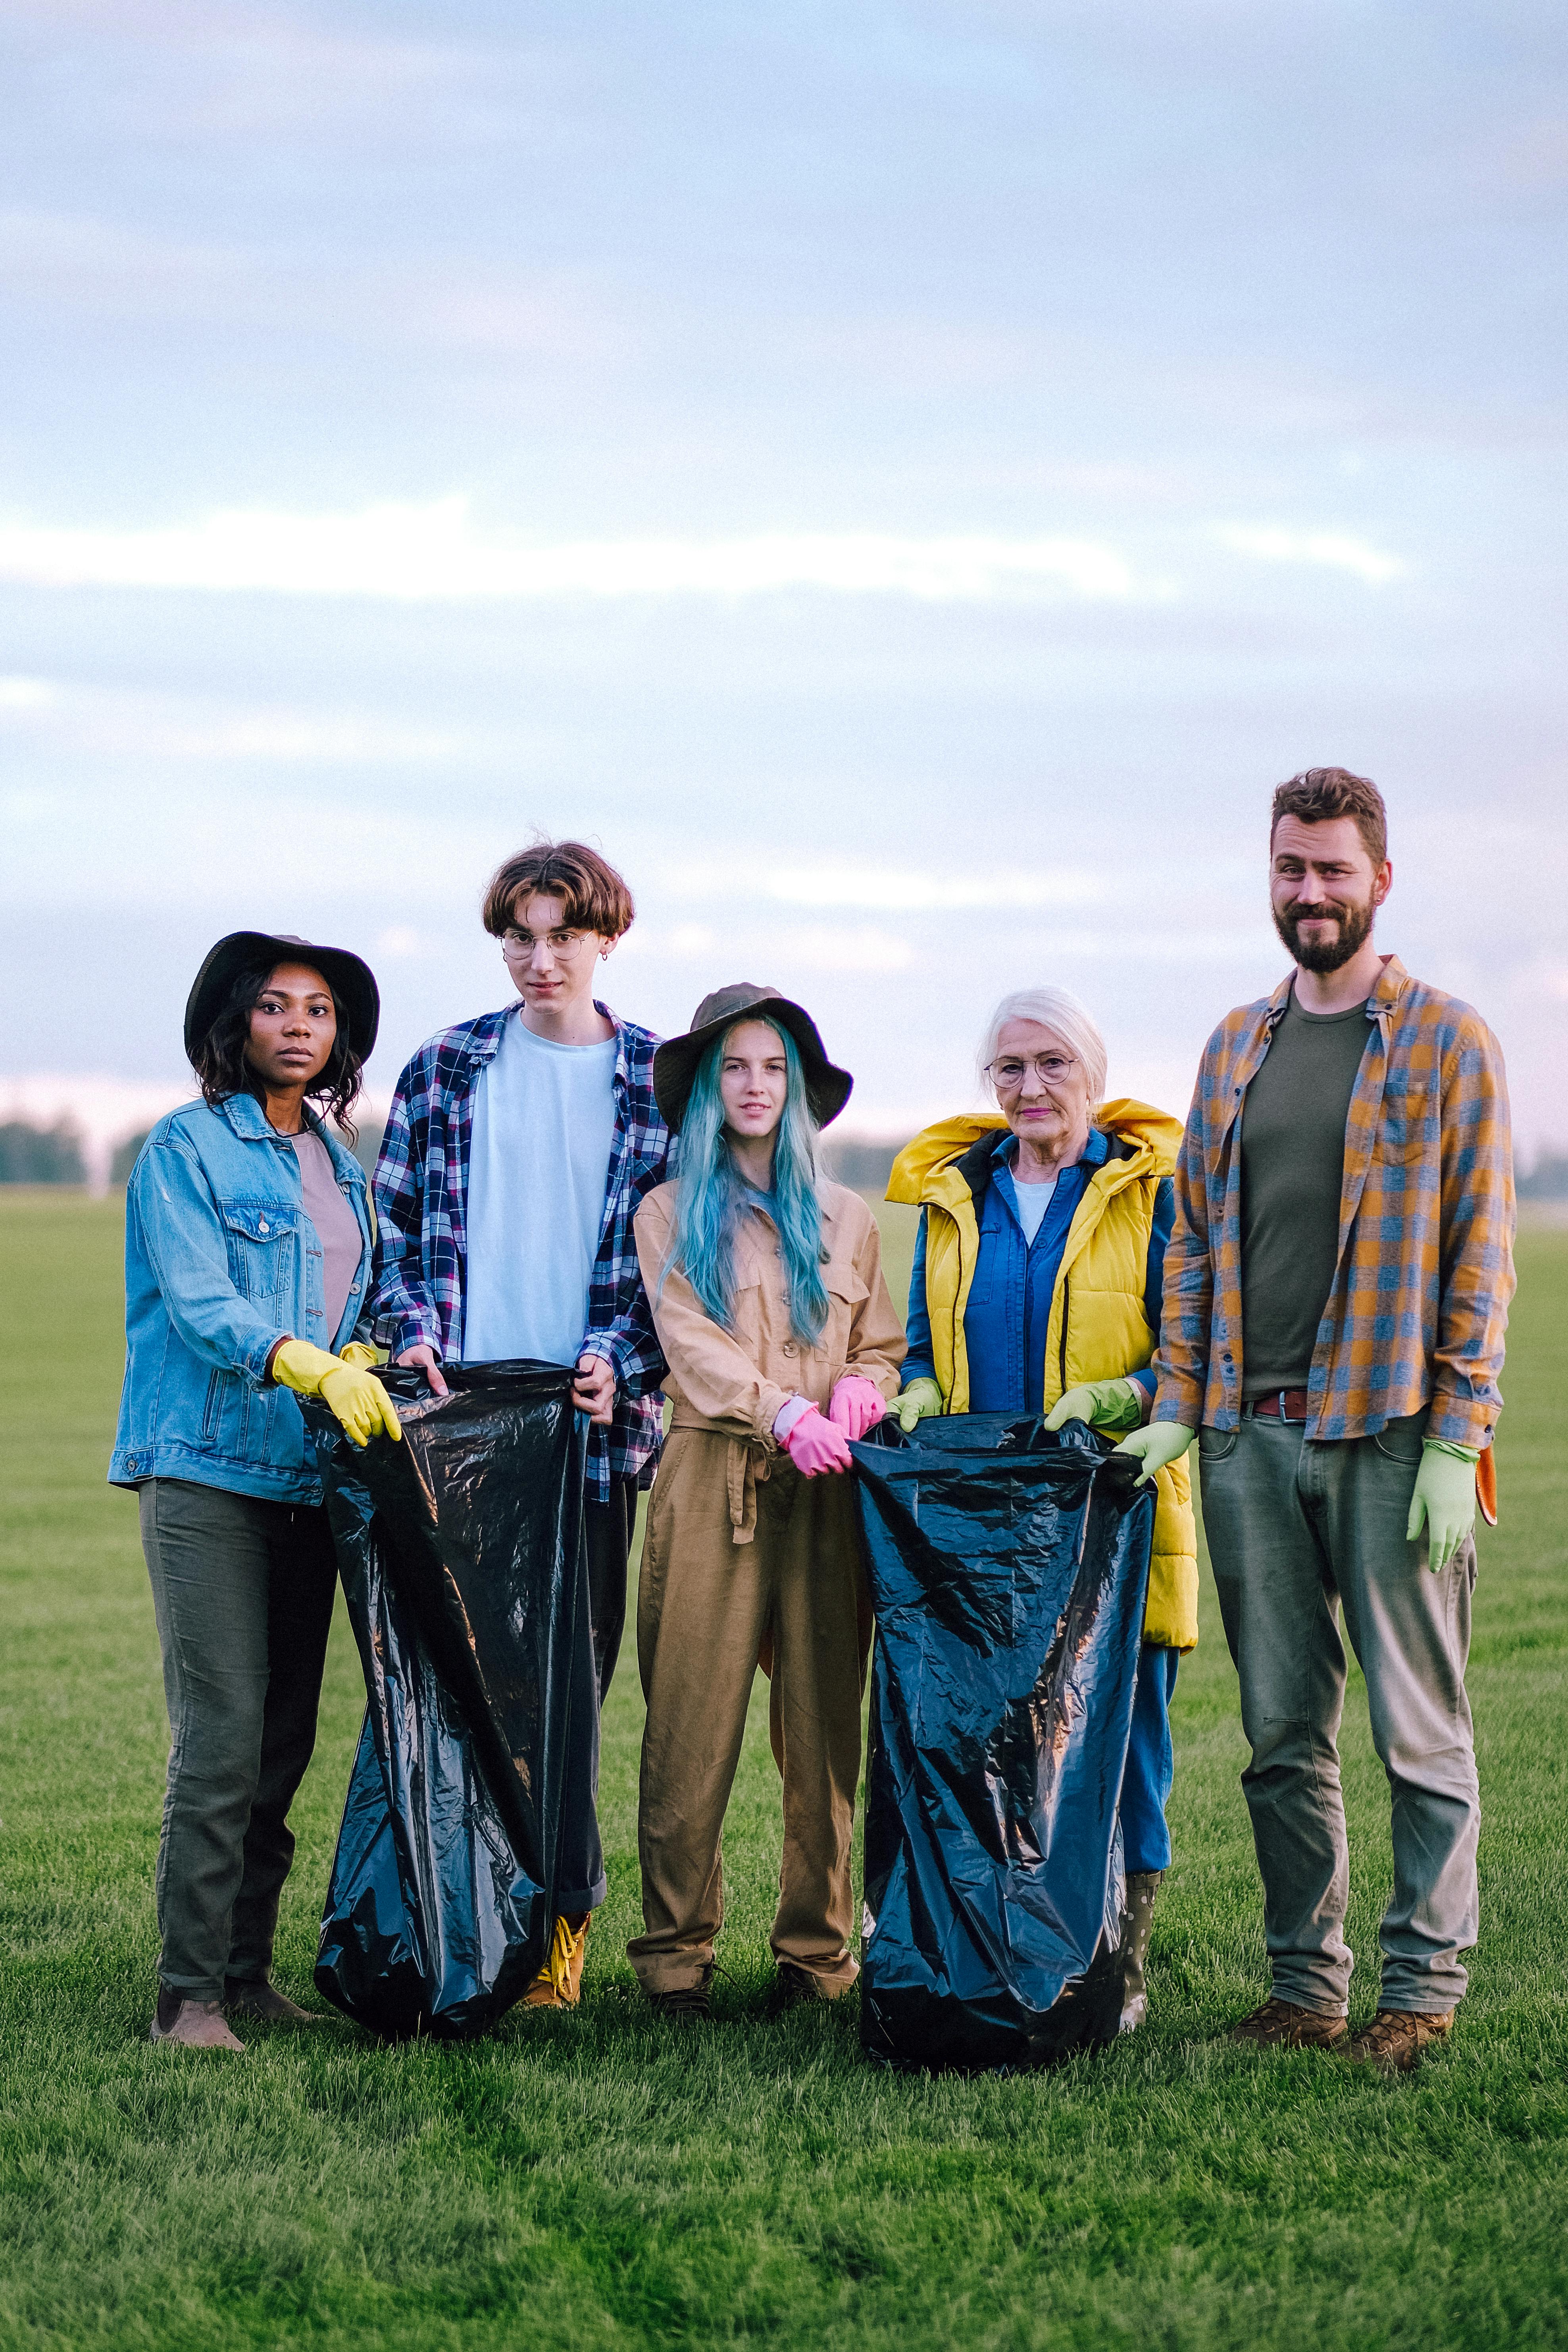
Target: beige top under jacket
column 735, row 1383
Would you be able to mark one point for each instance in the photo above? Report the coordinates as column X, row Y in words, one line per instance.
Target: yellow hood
column 1148, row 1130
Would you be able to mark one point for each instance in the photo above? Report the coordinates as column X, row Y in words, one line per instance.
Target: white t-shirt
column 1033, row 1201
column 544, row 1120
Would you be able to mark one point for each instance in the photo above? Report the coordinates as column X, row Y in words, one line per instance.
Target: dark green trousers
column 243, row 1591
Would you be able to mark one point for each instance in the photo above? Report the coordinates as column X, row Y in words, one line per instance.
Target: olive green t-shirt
column 1292, row 1160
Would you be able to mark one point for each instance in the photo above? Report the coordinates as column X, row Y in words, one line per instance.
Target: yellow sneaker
column 558, row 1984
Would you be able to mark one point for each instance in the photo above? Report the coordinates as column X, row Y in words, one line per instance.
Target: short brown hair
column 1318, row 795
column 592, row 893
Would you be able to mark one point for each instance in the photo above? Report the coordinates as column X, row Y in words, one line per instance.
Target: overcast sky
column 906, row 480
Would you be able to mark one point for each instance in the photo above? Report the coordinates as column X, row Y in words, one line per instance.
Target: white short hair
column 1058, row 1010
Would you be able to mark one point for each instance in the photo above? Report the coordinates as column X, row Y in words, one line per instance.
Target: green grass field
column 600, row 2180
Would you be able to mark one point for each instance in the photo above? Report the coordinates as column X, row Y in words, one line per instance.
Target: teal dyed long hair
column 709, row 1202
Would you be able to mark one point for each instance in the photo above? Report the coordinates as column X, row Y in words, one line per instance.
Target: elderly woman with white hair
column 1036, row 1288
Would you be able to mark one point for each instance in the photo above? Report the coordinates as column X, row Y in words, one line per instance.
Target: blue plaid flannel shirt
column 421, row 1188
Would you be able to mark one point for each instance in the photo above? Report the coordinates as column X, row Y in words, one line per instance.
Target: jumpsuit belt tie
column 748, row 1462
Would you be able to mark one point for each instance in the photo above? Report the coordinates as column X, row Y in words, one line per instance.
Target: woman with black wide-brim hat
column 783, row 1344
column 247, row 1260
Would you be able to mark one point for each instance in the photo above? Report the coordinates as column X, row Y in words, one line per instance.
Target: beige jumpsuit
column 742, row 1550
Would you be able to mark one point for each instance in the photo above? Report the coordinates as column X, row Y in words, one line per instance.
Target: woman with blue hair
column 783, row 1345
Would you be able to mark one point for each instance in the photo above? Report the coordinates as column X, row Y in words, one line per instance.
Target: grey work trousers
column 1298, row 1530
column 243, row 1593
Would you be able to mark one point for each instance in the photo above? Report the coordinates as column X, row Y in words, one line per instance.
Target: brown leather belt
column 1284, row 1404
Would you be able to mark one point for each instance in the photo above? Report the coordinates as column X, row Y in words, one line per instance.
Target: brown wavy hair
column 222, row 1070
column 1318, row 793
column 592, row 893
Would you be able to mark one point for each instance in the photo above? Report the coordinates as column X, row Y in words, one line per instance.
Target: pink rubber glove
column 856, row 1405
column 816, row 1443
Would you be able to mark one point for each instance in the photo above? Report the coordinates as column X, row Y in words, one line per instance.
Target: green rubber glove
column 1158, row 1445
column 917, row 1402
column 1105, row 1404
column 1444, row 1499
column 360, row 1403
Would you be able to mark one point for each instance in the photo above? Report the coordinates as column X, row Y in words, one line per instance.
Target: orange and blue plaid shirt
column 1419, row 1301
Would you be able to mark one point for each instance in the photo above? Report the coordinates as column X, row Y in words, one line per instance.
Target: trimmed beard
column 1328, row 955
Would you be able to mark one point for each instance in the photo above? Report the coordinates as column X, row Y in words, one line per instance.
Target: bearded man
column 1336, row 1292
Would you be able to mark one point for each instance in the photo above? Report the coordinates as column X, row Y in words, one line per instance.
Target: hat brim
column 350, row 979
column 677, row 1061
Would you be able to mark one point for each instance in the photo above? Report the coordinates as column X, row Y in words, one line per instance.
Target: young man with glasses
column 1336, row 1293
column 516, row 1149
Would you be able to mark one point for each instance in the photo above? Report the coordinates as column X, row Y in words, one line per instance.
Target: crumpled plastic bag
column 1009, row 1571
column 463, row 1562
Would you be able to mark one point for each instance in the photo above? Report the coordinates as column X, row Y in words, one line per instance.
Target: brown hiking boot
column 558, row 1984
column 1394, row 2040
column 257, row 1998
column 191, row 2024
column 1285, row 2025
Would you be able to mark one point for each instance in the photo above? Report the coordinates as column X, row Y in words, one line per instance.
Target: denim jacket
column 221, row 1261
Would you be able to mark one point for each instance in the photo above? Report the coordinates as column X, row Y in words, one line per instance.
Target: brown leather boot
column 1285, row 2025
column 1137, row 1925
column 191, row 2024
column 1394, row 2040
column 558, row 1984
column 244, row 1998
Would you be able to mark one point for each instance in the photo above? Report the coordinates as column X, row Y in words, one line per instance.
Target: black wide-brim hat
column 352, row 980
column 675, row 1065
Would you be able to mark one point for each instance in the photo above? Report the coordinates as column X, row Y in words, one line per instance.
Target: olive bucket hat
column 350, row 979
column 675, row 1065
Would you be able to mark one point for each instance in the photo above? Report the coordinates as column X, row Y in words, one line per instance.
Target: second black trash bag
column 1009, row 1571
column 462, row 1557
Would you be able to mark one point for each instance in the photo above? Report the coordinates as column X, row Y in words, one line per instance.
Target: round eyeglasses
column 1008, row 1074
column 519, row 945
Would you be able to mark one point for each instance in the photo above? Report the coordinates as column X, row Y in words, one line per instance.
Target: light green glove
column 360, row 1403
column 1104, row 1404
column 917, row 1402
column 1444, row 1499
column 1162, row 1442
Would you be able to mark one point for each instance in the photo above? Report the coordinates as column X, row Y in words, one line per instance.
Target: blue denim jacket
column 221, row 1261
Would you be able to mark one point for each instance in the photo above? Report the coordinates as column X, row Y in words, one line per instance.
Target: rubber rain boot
column 1137, row 1922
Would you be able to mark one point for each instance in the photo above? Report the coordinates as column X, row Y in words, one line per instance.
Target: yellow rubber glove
column 360, row 1403
column 1104, row 1404
column 1444, row 1500
column 917, row 1402
column 362, row 1358
column 1162, row 1442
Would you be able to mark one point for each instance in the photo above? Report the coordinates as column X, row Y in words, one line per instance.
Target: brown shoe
column 1285, row 2025
column 1394, row 2040
column 558, row 1984
column 191, row 2024
column 693, row 2002
column 253, row 1999
column 793, row 1988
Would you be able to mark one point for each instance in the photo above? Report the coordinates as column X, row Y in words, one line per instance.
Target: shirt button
column 263, row 1223
column 789, row 1347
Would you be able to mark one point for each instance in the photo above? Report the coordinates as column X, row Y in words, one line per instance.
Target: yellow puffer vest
column 1098, row 1328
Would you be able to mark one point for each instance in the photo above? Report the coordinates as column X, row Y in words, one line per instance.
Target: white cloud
column 1334, row 548
column 433, row 552
column 26, row 694
column 106, row 722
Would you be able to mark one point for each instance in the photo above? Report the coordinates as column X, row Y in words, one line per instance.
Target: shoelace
column 563, row 1952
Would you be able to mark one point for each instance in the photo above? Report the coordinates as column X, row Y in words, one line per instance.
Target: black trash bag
column 463, row 1561
column 1009, row 1571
